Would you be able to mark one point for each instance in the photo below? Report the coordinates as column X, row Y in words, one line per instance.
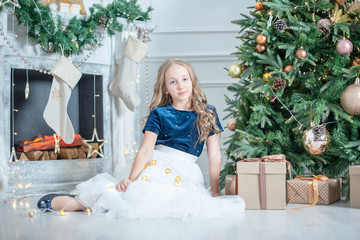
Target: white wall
column 202, row 33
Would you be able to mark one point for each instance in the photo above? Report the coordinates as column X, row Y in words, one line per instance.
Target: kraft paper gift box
column 262, row 184
column 230, row 185
column 354, row 186
column 314, row 190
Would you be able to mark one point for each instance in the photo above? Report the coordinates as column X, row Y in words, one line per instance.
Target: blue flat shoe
column 44, row 202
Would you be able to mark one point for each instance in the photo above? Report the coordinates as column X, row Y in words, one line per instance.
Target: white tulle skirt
column 171, row 186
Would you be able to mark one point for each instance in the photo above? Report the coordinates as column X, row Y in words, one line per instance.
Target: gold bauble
column 261, row 39
column 88, row 211
column 356, row 61
column 316, row 140
column 167, row 171
column 260, row 48
column 144, row 178
column 301, row 53
column 153, row 162
column 235, row 71
column 146, row 166
column 231, row 124
column 288, row 68
column 177, row 179
column 176, row 183
column 31, row 214
column 266, row 77
column 350, row 98
column 62, row 213
column 259, row 6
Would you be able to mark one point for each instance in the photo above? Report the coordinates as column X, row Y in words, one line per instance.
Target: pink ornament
column 344, row 47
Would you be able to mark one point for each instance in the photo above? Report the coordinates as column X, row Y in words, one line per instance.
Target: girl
column 164, row 180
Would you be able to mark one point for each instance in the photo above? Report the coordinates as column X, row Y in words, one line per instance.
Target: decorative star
column 15, row 3
column 102, row 141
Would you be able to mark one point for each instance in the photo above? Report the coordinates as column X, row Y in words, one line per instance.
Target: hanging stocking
column 125, row 72
column 55, row 114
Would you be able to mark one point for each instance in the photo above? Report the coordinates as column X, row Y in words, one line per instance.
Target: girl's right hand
column 122, row 186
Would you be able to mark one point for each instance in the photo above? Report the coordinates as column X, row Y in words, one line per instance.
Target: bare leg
column 66, row 203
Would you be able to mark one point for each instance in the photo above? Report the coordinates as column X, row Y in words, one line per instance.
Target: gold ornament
column 356, row 61
column 266, row 77
column 153, row 162
column 109, row 187
column 260, row 48
column 167, row 171
column 259, row 6
column 88, row 211
column 146, row 166
column 176, row 183
column 62, row 213
column 316, row 140
column 235, row 71
column 261, row 39
column 144, row 178
column 301, row 53
column 288, row 68
column 350, row 98
column 31, row 214
column 98, row 152
column 231, row 124
column 177, row 179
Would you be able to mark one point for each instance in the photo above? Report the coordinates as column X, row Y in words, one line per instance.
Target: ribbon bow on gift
column 262, row 178
column 313, row 188
column 271, row 158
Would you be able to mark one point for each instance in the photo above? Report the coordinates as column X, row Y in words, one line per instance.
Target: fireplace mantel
column 40, row 177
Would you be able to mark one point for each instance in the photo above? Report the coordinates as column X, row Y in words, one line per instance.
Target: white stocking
column 55, row 114
column 125, row 72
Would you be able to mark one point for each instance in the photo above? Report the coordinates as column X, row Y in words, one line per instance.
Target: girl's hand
column 122, row 186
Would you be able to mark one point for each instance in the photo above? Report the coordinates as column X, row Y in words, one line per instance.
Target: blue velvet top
column 177, row 128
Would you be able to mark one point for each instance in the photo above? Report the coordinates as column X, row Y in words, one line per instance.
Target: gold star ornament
column 92, row 140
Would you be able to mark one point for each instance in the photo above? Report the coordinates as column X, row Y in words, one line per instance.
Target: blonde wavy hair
column 206, row 120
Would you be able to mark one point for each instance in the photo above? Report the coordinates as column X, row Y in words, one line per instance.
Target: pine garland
column 53, row 35
column 312, row 93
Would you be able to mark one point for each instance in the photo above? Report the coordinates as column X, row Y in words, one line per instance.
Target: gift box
column 354, row 186
column 230, row 185
column 261, row 182
column 313, row 190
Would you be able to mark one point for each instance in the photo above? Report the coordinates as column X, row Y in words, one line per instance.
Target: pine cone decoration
column 280, row 25
column 325, row 31
column 279, row 84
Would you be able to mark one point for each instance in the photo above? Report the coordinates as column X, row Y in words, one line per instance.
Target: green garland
column 53, row 35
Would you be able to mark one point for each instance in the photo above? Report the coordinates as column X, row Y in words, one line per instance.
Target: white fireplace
column 119, row 126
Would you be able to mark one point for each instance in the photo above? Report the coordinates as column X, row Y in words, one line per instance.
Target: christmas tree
column 296, row 93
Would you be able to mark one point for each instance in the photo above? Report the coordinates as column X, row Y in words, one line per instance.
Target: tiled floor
column 336, row 221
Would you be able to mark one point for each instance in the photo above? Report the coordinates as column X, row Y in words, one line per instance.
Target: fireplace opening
column 85, row 110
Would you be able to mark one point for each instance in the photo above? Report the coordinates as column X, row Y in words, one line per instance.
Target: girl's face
column 178, row 84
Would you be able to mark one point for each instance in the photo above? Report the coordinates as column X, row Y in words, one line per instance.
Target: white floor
column 336, row 221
